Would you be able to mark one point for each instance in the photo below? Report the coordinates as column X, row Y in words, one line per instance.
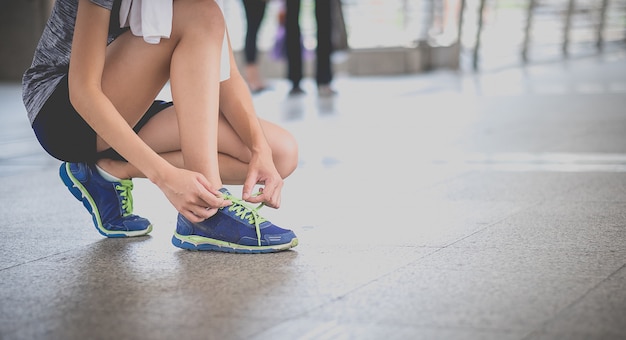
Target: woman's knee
column 285, row 152
column 198, row 15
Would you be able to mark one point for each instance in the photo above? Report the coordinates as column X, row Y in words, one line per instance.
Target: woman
column 90, row 95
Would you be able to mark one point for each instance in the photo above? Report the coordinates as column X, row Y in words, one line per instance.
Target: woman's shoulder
column 108, row 4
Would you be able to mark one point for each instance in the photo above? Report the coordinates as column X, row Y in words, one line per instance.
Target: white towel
column 152, row 19
column 225, row 58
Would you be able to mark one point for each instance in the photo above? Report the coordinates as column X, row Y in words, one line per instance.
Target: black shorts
column 65, row 135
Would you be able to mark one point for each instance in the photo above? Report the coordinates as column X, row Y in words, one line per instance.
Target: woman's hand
column 261, row 170
column 191, row 194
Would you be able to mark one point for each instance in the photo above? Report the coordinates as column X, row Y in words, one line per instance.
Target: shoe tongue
column 262, row 225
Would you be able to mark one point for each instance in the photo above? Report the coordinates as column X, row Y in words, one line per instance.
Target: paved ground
column 431, row 206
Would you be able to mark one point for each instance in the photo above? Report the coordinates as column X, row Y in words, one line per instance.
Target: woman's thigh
column 136, row 71
column 65, row 135
column 162, row 134
column 134, row 74
column 61, row 131
column 283, row 144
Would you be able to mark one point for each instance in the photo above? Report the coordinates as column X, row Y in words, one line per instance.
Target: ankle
column 111, row 170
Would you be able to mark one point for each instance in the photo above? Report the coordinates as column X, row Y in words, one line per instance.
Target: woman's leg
column 135, row 72
column 233, row 154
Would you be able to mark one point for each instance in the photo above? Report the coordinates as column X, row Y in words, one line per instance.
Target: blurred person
column 90, row 95
column 323, row 66
column 255, row 12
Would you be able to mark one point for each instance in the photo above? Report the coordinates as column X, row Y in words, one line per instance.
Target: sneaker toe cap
column 269, row 239
column 129, row 223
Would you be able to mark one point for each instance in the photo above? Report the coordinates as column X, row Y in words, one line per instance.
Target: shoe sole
column 194, row 242
column 81, row 194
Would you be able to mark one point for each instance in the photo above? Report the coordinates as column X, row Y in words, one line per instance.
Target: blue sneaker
column 109, row 203
column 237, row 228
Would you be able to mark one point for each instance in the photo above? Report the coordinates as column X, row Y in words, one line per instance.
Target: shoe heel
column 73, row 187
column 182, row 244
column 69, row 183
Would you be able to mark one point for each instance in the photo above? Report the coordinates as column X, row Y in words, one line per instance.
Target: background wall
column 21, row 24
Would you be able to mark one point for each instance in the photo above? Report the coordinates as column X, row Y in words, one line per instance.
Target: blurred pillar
column 21, row 24
column 601, row 25
column 568, row 26
column 479, row 30
column 528, row 29
column 459, row 33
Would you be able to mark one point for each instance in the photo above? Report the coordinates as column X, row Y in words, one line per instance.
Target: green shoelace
column 124, row 189
column 246, row 212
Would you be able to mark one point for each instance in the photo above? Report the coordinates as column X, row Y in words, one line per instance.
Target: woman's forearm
column 240, row 113
column 86, row 95
column 103, row 117
column 237, row 106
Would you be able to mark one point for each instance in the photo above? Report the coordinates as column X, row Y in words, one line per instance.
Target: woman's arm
column 85, row 79
column 189, row 192
column 237, row 106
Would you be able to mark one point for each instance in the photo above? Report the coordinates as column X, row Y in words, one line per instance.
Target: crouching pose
column 90, row 96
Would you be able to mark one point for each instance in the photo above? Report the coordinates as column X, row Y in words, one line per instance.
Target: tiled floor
column 431, row 206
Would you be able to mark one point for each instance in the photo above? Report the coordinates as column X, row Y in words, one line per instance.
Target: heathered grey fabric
column 52, row 55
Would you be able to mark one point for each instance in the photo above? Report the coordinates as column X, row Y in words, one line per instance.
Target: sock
column 107, row 175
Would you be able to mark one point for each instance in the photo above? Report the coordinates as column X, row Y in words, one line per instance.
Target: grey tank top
column 52, row 55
